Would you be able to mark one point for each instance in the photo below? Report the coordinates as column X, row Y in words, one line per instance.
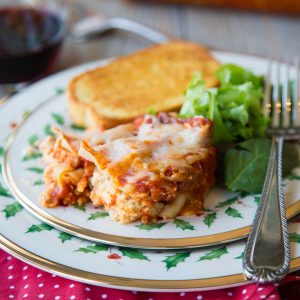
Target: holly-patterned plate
column 40, row 244
column 226, row 217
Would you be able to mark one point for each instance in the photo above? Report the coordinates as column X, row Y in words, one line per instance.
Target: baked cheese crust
column 157, row 167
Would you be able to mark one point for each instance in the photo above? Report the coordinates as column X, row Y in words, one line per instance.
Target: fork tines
column 281, row 101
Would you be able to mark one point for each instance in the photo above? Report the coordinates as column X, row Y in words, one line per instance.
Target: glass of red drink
column 31, row 34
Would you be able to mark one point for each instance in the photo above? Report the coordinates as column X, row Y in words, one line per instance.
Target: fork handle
column 267, row 253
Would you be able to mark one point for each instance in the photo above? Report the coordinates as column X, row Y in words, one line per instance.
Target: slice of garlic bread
column 130, row 86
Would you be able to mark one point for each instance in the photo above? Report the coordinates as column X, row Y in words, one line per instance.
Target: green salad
column 235, row 109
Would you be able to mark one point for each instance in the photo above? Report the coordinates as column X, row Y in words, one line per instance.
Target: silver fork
column 99, row 24
column 267, row 251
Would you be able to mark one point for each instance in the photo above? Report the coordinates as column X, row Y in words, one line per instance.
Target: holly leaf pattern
column 232, row 212
column 1, row 151
column 257, row 199
column 173, row 260
column 240, row 256
column 48, row 130
column 93, row 249
column 12, row 209
column 210, row 218
column 35, row 170
column 32, row 139
column 216, row 253
column 59, row 119
column 33, row 155
column 207, row 209
column 133, row 253
column 77, row 127
column 38, row 182
column 182, row 224
column 63, row 236
column 39, row 228
column 149, row 227
column 26, row 114
column 227, row 202
column 59, row 90
column 79, row 207
column 294, row 237
column 4, row 192
column 97, row 215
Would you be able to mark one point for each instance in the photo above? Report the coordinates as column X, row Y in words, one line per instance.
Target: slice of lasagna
column 155, row 167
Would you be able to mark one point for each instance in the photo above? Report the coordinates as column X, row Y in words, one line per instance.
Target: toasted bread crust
column 130, row 86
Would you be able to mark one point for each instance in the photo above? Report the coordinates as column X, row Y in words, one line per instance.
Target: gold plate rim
column 99, row 237
column 123, row 282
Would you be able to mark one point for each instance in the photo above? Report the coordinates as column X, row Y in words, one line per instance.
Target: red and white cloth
column 20, row 281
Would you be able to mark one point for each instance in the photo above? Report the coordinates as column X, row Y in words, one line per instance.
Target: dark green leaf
column 80, row 207
column 77, row 127
column 1, row 151
column 216, row 253
column 48, row 130
column 58, row 118
column 246, row 165
column 182, row 224
column 39, row 228
column 33, row 155
column 240, row 256
column 133, row 253
column 232, row 212
column 4, row 192
column 32, row 139
column 173, row 260
column 12, row 209
column 63, row 236
column 294, row 237
column 93, row 249
column 207, row 209
column 35, row 170
column 210, row 218
column 38, row 182
column 227, row 202
column 149, row 227
column 290, row 156
column 97, row 215
column 257, row 199
column 293, row 177
column 243, row 194
column 0, row 169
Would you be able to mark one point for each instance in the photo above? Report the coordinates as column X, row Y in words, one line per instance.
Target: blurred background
column 267, row 27
column 262, row 27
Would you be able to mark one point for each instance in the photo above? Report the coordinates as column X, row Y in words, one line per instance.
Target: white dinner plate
column 59, row 252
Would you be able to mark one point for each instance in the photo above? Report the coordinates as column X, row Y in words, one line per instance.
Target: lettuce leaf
column 246, row 165
column 233, row 74
column 234, row 107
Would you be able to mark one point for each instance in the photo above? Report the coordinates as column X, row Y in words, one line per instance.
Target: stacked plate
column 83, row 243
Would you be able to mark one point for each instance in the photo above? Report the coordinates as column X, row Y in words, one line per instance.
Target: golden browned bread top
column 130, row 86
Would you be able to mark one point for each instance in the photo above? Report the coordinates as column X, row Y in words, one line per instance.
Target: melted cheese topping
column 153, row 144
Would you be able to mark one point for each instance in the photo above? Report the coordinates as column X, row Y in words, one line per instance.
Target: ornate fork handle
column 267, row 252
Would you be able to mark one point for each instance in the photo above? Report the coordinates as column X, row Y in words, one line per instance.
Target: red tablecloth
column 19, row 280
